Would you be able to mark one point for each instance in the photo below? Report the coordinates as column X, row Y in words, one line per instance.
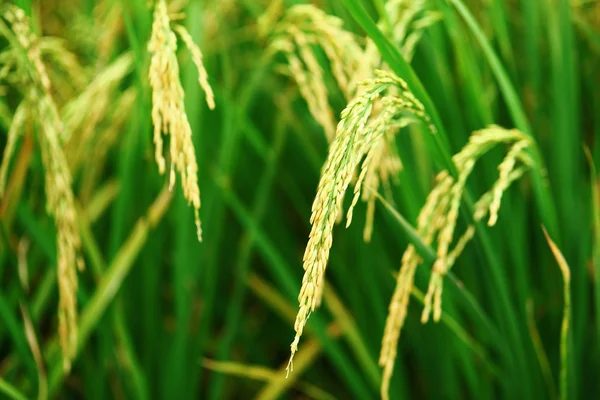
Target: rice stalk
column 168, row 110
column 358, row 136
column 60, row 201
column 437, row 222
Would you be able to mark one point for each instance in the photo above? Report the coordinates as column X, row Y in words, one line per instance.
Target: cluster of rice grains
column 168, row 111
column 22, row 62
column 301, row 29
column 437, row 222
column 378, row 108
column 359, row 137
column 365, row 136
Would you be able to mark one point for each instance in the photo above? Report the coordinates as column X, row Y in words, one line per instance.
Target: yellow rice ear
column 60, row 201
column 437, row 222
column 168, row 109
column 359, row 136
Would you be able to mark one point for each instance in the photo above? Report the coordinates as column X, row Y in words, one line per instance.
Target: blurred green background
column 163, row 316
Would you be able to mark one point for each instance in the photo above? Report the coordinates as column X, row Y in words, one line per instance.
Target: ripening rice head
column 39, row 106
column 437, row 222
column 428, row 223
column 358, row 137
column 515, row 163
column 168, row 110
column 304, row 29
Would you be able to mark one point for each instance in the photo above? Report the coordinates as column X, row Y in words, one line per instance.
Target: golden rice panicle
column 303, row 28
column 406, row 22
column 382, row 162
column 397, row 312
column 28, row 42
column 61, row 204
column 479, row 144
column 60, row 201
column 357, row 137
column 341, row 47
column 409, row 19
column 168, row 111
column 445, row 237
column 437, row 222
column 308, row 74
column 428, row 223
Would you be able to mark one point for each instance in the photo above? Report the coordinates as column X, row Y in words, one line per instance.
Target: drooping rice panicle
column 428, row 223
column 437, row 221
column 409, row 18
column 356, row 136
column 305, row 28
column 60, row 201
column 168, row 111
column 479, row 144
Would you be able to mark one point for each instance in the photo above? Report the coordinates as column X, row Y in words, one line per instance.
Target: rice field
column 272, row 199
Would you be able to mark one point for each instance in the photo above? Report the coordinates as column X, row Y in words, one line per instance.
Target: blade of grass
column 540, row 352
column 10, row 391
column 596, row 247
column 245, row 252
column 125, row 352
column 351, row 332
column 565, row 345
column 464, row 336
column 260, row 373
column 306, row 356
column 12, row 197
column 34, row 346
column 566, row 166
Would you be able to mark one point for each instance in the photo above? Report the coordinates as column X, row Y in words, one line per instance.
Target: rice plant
column 461, row 135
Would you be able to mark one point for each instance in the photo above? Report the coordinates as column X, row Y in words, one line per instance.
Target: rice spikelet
column 168, row 110
column 357, row 136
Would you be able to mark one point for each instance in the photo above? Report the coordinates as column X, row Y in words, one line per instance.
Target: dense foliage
column 459, row 136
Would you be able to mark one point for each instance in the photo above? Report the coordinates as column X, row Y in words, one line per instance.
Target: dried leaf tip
column 168, row 110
